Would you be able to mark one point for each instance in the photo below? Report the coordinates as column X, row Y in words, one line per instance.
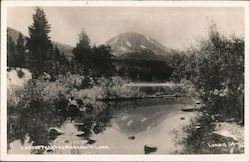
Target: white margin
column 211, row 157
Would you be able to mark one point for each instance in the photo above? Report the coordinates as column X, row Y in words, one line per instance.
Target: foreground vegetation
column 203, row 135
column 217, row 71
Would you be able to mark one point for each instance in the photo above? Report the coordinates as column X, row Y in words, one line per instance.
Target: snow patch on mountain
column 115, row 40
column 123, row 48
column 150, row 39
column 128, row 43
column 142, row 46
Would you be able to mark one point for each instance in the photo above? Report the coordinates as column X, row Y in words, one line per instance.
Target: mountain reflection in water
column 123, row 128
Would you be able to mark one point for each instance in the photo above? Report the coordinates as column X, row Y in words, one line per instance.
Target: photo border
column 121, row 157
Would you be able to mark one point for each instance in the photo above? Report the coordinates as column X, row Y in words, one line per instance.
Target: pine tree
column 82, row 62
column 20, row 46
column 64, row 64
column 57, row 54
column 38, row 42
column 84, row 41
column 11, row 52
column 101, row 60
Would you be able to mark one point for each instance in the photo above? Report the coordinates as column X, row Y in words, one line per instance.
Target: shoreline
column 138, row 98
column 211, row 136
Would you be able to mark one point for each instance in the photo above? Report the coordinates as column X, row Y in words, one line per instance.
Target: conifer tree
column 38, row 42
column 20, row 46
column 81, row 62
column 57, row 54
column 11, row 52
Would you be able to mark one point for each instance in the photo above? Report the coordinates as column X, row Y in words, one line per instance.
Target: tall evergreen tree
column 11, row 52
column 57, row 53
column 38, row 42
column 81, row 62
column 101, row 61
column 84, row 41
column 20, row 51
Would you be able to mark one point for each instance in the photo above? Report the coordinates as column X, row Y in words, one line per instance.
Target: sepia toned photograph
column 125, row 80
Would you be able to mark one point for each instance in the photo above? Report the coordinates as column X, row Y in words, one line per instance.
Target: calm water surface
column 124, row 128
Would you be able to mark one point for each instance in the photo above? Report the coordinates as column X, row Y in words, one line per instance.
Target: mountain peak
column 130, row 42
column 131, row 33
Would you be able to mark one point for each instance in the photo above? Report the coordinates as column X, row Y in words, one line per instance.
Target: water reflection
column 124, row 126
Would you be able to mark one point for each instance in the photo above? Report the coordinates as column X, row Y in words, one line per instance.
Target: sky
column 174, row 27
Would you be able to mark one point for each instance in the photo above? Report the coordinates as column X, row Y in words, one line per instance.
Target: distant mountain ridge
column 66, row 49
column 132, row 42
column 128, row 45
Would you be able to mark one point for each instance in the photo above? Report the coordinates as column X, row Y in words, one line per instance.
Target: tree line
column 37, row 53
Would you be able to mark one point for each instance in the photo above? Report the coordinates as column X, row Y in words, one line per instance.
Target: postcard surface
column 122, row 81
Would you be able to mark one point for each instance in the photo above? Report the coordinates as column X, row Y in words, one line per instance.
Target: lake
column 122, row 128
